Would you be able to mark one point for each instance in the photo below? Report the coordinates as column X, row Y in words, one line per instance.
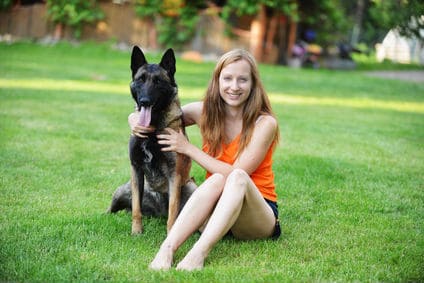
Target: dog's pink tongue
column 145, row 116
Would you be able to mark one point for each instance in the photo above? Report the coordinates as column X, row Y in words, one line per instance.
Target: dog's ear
column 137, row 60
column 168, row 63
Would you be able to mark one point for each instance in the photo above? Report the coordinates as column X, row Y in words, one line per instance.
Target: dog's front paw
column 137, row 228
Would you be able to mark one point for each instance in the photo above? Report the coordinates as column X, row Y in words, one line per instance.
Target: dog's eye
column 143, row 78
column 156, row 80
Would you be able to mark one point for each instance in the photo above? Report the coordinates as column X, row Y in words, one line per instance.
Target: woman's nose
column 234, row 85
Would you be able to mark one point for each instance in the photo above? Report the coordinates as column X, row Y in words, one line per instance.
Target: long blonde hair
column 213, row 116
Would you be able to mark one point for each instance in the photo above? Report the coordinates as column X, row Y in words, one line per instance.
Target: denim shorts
column 277, row 229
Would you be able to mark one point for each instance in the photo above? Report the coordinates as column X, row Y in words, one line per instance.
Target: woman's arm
column 263, row 137
column 248, row 160
column 192, row 113
column 176, row 141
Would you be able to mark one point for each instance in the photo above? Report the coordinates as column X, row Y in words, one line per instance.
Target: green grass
column 369, row 62
column 349, row 172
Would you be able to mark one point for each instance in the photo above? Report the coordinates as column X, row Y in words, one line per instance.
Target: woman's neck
column 234, row 113
column 233, row 124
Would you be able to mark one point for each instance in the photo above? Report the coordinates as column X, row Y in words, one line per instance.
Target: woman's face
column 235, row 83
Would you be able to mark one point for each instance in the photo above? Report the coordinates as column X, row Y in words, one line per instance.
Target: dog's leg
column 137, row 188
column 175, row 185
column 174, row 200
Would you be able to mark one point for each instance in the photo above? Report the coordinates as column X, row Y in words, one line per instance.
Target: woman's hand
column 174, row 141
column 136, row 129
column 142, row 132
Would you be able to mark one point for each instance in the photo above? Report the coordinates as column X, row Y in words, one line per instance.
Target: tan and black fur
column 153, row 87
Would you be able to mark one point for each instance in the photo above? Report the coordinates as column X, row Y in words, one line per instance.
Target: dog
column 154, row 173
column 154, row 203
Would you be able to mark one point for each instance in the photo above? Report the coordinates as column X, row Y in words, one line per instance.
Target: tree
column 264, row 27
column 406, row 16
column 327, row 18
column 5, row 4
column 380, row 16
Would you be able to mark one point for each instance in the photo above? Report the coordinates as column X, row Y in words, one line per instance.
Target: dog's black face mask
column 153, row 86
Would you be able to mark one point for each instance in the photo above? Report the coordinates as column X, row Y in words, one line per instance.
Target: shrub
column 74, row 13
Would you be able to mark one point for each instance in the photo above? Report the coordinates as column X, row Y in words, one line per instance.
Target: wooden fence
column 120, row 24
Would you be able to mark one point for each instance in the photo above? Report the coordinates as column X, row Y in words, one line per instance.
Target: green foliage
column 148, row 8
column 176, row 24
column 247, row 7
column 349, row 173
column 381, row 16
column 177, row 31
column 5, row 4
column 406, row 16
column 411, row 21
column 251, row 7
column 327, row 18
column 74, row 13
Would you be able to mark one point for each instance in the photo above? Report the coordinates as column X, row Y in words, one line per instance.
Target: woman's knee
column 238, row 178
column 236, row 187
column 216, row 179
column 211, row 186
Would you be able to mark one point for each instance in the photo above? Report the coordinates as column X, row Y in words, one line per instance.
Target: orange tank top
column 263, row 176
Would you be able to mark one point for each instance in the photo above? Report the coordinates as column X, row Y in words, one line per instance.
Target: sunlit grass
column 64, row 85
column 197, row 93
column 361, row 103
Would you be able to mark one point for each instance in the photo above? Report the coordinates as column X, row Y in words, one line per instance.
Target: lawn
column 349, row 171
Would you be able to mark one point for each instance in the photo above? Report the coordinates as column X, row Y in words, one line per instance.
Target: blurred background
column 297, row 33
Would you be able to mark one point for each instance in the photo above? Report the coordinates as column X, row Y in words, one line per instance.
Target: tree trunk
column 58, row 31
column 292, row 37
column 271, row 51
column 257, row 30
column 356, row 31
column 282, row 40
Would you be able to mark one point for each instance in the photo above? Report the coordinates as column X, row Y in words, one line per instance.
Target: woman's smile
column 235, row 83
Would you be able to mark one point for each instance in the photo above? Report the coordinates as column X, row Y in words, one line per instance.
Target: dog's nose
column 144, row 102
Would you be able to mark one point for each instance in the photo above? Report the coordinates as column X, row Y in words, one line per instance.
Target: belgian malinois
column 155, row 92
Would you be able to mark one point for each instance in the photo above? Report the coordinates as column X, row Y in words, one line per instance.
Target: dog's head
column 153, row 86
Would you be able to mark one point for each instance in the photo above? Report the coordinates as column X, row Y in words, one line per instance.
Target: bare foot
column 192, row 261
column 163, row 259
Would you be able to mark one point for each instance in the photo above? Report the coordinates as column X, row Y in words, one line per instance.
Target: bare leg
column 240, row 199
column 197, row 209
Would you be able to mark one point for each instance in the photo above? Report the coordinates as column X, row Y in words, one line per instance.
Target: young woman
column 239, row 132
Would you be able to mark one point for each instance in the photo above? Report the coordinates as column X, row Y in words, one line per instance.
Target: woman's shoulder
column 266, row 120
column 192, row 112
column 266, row 129
column 195, row 104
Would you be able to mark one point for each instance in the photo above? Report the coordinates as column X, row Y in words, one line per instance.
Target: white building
column 400, row 49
